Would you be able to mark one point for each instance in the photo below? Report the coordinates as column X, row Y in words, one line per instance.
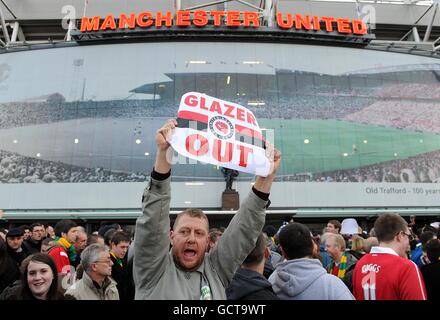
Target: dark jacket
column 17, row 256
column 268, row 269
column 351, row 264
column 250, row 285
column 123, row 278
column 9, row 272
column 14, row 292
column 431, row 276
column 31, row 246
column 357, row 254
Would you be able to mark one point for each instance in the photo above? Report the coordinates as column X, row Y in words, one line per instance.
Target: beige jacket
column 84, row 289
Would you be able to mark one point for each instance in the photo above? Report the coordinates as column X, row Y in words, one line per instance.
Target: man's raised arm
column 151, row 244
column 240, row 236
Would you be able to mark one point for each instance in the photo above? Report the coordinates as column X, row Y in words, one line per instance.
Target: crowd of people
column 187, row 260
column 309, row 106
column 390, row 104
column 61, row 262
column 407, row 106
column 408, row 115
column 423, row 168
column 11, row 114
column 400, row 106
column 298, row 106
column 290, row 262
column 15, row 168
column 410, row 91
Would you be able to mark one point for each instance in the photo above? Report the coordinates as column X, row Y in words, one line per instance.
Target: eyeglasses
column 107, row 261
column 409, row 235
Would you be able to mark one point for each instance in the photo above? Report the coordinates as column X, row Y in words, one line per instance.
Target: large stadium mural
column 89, row 114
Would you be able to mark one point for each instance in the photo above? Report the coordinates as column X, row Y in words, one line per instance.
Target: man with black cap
column 14, row 240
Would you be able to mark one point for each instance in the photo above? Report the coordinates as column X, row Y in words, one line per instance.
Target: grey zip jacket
column 156, row 276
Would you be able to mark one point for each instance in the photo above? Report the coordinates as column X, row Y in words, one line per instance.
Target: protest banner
column 219, row 132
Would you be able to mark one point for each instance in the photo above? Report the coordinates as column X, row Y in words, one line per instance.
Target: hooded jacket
column 306, row 279
column 250, row 285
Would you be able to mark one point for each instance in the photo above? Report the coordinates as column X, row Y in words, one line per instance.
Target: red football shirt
column 61, row 259
column 384, row 275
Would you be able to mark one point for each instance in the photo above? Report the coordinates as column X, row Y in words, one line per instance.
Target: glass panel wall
column 89, row 114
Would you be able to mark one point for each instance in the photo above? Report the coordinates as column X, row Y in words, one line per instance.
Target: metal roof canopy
column 263, row 34
column 297, row 212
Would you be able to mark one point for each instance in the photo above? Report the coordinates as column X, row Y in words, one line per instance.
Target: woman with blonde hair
column 357, row 247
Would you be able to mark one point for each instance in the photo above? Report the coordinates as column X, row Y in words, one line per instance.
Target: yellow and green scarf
column 119, row 261
column 68, row 246
column 342, row 266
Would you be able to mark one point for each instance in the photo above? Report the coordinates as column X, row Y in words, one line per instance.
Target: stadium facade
column 349, row 91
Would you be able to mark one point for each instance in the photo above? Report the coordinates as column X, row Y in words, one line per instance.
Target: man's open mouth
column 189, row 253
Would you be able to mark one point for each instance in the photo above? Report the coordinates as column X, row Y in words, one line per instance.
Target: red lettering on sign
column 217, row 151
column 217, row 17
column 125, row 22
column 244, row 155
column 302, row 22
column 229, row 110
column 221, row 108
column 203, row 104
column 251, row 17
column 233, row 19
column 109, row 23
column 191, row 101
column 316, row 23
column 200, row 18
column 190, row 145
column 359, row 27
column 215, row 107
column 343, row 26
column 182, row 19
column 328, row 23
column 160, row 18
column 240, row 114
column 284, row 24
column 145, row 23
column 89, row 25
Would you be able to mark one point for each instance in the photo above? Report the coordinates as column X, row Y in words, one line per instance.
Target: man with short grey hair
column 96, row 283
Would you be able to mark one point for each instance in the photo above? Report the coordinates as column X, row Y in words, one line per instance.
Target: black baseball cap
column 15, row 232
